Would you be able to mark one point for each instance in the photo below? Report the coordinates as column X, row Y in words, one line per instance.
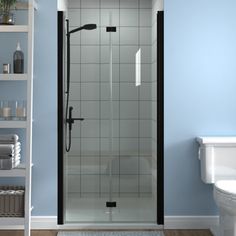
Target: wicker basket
column 12, row 201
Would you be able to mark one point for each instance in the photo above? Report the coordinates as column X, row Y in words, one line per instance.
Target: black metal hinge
column 110, row 204
column 111, row 29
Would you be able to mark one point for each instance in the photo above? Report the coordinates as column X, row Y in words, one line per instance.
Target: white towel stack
column 10, row 148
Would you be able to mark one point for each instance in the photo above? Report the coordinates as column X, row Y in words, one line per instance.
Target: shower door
column 110, row 171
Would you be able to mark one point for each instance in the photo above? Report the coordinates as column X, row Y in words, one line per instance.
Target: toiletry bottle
column 18, row 60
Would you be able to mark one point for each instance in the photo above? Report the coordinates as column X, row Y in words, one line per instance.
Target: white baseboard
column 171, row 222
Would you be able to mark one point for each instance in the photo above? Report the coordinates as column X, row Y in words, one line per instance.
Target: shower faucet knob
column 71, row 120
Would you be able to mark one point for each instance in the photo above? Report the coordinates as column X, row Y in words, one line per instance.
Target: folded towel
column 9, row 138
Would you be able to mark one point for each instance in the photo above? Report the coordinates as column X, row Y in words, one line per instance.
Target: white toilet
column 218, row 166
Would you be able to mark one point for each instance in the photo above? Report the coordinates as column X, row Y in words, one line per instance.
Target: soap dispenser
column 18, row 60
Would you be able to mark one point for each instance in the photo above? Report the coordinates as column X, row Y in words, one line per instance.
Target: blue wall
column 200, row 95
column 44, row 185
column 200, row 98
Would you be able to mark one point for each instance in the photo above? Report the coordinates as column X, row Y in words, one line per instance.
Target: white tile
column 145, row 35
column 89, row 183
column 129, row 183
column 90, row 146
column 90, row 165
column 74, row 17
column 146, row 54
column 146, row 4
column 154, row 71
column 109, row 4
column 129, row 165
column 127, row 54
column 76, row 128
column 145, row 17
column 73, row 183
column 129, row 4
column 106, row 93
column 75, row 73
column 145, row 128
column 90, row 54
column 145, row 91
column 90, row 91
column 146, row 71
column 75, row 54
column 90, row 128
column 128, row 91
column 145, row 110
column 146, row 183
column 154, row 52
column 106, row 128
column 105, row 188
column 129, row 17
column 105, row 17
column 90, row 37
column 129, row 147
column 90, row 3
column 127, row 73
column 75, row 146
column 89, row 16
column 74, row 4
column 90, row 109
column 105, row 147
column 129, row 128
column 105, row 54
column 128, row 109
column 105, row 72
column 75, row 38
column 145, row 145
column 105, row 36
column 145, row 164
column 129, row 36
column 154, row 91
column 105, row 110
column 154, row 32
column 89, row 72
column 75, row 91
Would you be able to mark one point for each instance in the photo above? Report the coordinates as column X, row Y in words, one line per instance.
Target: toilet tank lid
column 216, row 140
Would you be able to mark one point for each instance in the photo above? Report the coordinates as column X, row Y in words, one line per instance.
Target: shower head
column 84, row 27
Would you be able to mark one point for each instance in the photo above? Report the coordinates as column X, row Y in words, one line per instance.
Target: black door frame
column 160, row 119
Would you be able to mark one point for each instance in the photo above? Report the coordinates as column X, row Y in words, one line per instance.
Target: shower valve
column 71, row 120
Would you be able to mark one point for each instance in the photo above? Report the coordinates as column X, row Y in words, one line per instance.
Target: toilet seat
column 227, row 187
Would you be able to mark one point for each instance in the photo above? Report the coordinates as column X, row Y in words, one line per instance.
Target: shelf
column 12, row 124
column 12, row 221
column 13, row 77
column 24, row 6
column 16, row 172
column 13, row 28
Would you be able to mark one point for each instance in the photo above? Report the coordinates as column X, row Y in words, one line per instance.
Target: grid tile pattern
column 88, row 161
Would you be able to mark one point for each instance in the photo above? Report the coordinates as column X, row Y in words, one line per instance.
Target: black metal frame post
column 160, row 117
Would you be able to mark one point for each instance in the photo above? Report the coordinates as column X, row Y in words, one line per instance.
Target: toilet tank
column 217, row 157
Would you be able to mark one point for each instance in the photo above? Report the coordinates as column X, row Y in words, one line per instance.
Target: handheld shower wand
column 69, row 120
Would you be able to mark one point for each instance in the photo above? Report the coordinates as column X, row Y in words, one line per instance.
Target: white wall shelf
column 16, row 172
column 24, row 170
column 11, row 221
column 14, row 28
column 13, row 124
column 13, row 77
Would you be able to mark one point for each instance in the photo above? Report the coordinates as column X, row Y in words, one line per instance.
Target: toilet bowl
column 217, row 157
column 225, row 198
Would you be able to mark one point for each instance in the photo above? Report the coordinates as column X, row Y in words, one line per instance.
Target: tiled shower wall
column 90, row 92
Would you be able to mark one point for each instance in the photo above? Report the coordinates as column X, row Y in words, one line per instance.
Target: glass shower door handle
column 71, row 120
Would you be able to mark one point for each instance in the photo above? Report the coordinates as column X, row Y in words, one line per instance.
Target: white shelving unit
column 24, row 170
